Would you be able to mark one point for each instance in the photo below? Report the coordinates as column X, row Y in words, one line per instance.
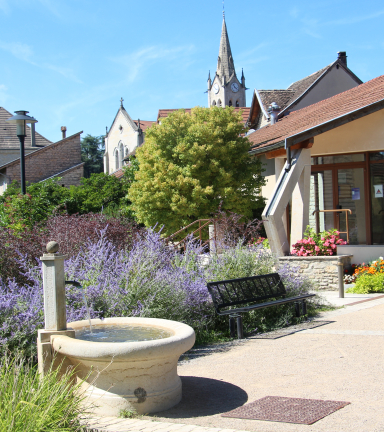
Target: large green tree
column 92, row 151
column 192, row 162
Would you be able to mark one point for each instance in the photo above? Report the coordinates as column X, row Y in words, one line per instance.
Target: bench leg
column 297, row 309
column 240, row 334
column 304, row 307
column 232, row 332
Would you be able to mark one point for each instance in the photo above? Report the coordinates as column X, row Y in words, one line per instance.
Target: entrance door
column 377, row 203
column 321, row 198
column 337, row 187
column 351, row 195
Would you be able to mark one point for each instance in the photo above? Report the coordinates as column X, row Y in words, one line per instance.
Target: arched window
column 214, row 103
column 219, row 102
column 116, row 159
column 237, row 103
column 121, row 151
column 230, row 103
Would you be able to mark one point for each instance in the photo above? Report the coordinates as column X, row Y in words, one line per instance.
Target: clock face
column 216, row 88
column 235, row 87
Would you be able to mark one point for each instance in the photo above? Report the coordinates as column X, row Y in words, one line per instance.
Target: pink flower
column 317, row 248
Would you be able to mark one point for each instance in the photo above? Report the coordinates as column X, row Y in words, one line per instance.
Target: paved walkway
column 341, row 359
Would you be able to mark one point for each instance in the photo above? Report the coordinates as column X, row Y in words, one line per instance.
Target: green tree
column 98, row 193
column 190, row 164
column 92, row 151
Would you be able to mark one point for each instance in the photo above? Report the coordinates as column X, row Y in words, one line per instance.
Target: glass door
column 321, row 198
column 351, row 195
column 377, row 203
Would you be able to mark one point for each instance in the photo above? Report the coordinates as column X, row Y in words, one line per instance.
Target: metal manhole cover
column 287, row 410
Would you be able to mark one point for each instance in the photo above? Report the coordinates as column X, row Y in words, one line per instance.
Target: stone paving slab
column 341, row 360
column 111, row 424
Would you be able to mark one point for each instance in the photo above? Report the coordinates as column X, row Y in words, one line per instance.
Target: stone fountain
column 115, row 376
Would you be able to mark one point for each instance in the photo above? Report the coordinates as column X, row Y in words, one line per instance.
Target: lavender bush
column 150, row 279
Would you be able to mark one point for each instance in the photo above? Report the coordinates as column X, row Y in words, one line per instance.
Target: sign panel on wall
column 378, row 191
column 355, row 193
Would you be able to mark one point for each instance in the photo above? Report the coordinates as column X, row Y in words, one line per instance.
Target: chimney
column 64, row 131
column 273, row 111
column 342, row 56
column 33, row 137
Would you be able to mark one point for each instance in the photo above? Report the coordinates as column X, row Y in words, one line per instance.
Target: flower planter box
column 323, row 270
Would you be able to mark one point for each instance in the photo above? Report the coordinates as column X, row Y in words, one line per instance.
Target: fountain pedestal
column 55, row 316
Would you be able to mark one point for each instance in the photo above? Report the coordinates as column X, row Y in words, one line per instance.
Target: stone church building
column 122, row 139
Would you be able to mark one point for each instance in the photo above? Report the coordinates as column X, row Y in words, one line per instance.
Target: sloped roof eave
column 321, row 127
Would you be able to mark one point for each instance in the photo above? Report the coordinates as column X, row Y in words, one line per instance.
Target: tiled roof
column 299, row 87
column 119, row 173
column 144, row 124
column 319, row 113
column 8, row 137
column 47, row 147
column 281, row 97
column 166, row 112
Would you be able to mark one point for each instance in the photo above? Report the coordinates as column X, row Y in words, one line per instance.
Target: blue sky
column 68, row 62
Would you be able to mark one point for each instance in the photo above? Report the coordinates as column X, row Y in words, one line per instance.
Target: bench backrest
column 253, row 289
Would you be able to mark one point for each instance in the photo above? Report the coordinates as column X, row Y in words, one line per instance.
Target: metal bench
column 251, row 293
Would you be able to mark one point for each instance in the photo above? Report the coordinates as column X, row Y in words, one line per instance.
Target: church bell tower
column 225, row 89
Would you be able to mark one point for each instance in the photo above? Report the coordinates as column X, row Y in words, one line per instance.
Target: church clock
column 235, row 87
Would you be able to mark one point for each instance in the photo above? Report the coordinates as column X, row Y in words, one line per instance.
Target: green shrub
column 366, row 284
column 32, row 403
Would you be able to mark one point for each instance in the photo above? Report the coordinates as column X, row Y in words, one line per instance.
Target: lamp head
column 21, row 119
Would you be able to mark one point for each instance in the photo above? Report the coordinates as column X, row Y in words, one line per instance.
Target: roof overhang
column 289, row 141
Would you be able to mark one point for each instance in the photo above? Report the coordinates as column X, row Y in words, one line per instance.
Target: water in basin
column 121, row 333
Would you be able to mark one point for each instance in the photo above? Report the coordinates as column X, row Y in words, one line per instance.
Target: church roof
column 144, row 124
column 165, row 112
column 8, row 137
column 225, row 64
column 356, row 102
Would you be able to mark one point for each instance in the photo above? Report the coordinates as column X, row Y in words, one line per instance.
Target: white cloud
column 25, row 53
column 140, row 60
column 294, row 12
column 52, row 6
column 4, row 6
column 355, row 19
column 3, row 94
column 66, row 72
column 19, row 50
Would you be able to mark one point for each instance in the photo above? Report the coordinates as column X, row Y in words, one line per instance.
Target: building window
column 116, row 159
column 121, row 155
column 219, row 103
column 214, row 103
column 237, row 104
column 230, row 103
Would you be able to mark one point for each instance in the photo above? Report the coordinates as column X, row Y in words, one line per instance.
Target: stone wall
column 72, row 176
column 322, row 270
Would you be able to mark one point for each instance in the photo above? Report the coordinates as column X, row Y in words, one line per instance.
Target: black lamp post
column 21, row 119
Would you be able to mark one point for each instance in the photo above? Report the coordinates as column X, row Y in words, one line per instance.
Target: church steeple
column 225, row 89
column 225, row 64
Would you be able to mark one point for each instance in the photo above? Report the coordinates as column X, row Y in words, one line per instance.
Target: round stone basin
column 139, row 374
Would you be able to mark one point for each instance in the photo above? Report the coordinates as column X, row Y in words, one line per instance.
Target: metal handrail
column 199, row 229
column 338, row 211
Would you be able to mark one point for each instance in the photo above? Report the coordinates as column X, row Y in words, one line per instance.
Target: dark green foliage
column 95, row 194
column 92, row 151
column 101, row 193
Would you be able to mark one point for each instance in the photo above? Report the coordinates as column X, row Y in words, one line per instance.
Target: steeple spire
column 225, row 65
